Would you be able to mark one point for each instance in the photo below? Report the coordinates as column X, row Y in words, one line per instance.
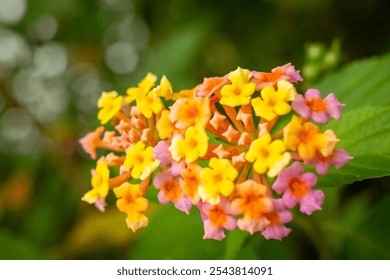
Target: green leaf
column 368, row 239
column 365, row 134
column 361, row 83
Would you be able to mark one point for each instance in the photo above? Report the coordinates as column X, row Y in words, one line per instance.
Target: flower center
column 316, row 105
column 298, row 187
column 217, row 216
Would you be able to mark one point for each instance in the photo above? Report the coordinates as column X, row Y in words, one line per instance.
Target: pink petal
column 299, row 106
column 285, row 216
column 312, row 202
column 211, row 232
column 101, row 204
column 333, row 106
column 231, row 223
column 322, row 168
column 312, row 93
column 161, row 178
column 252, row 226
column 161, row 197
column 341, row 157
column 281, row 183
column 289, row 199
column 276, row 232
column 162, row 153
column 183, row 204
column 176, row 166
column 320, row 117
column 309, row 178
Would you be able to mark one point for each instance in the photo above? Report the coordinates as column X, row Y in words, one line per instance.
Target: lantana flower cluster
column 234, row 147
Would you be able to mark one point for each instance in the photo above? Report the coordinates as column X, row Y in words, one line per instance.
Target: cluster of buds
column 234, row 147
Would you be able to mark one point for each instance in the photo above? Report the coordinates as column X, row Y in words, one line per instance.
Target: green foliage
column 364, row 131
column 361, row 83
column 365, row 134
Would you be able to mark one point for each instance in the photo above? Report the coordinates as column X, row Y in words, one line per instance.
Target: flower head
column 221, row 146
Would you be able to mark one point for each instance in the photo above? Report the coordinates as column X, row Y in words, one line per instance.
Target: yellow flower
column 110, row 104
column 240, row 90
column 217, row 180
column 149, row 104
column 268, row 155
column 274, row 103
column 140, row 160
column 148, row 100
column 99, row 182
column 193, row 146
column 143, row 88
column 131, row 201
column 306, row 138
column 190, row 112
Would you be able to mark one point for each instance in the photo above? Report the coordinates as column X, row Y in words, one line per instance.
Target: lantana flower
column 234, row 148
column 131, row 201
column 296, row 187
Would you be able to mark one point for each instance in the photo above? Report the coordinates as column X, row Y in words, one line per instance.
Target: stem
column 119, row 180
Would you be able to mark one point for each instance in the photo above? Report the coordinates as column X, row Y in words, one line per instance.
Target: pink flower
column 171, row 191
column 296, row 187
column 313, row 106
column 338, row 159
column 216, row 218
column 277, row 218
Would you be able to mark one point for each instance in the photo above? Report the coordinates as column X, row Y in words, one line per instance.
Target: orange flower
column 190, row 112
column 132, row 202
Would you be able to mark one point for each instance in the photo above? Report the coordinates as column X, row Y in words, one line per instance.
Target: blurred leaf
column 96, row 230
column 172, row 234
column 365, row 134
column 361, row 83
column 174, row 55
column 16, row 248
column 370, row 238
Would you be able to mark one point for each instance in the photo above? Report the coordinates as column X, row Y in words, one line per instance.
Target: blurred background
column 57, row 56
